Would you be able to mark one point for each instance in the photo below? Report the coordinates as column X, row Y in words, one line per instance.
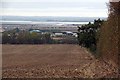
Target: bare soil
column 54, row 60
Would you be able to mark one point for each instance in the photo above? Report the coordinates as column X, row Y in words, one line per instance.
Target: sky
column 75, row 8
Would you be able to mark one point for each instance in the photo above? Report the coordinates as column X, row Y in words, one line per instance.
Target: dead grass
column 108, row 43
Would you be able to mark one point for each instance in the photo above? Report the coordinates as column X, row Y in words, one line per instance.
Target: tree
column 88, row 34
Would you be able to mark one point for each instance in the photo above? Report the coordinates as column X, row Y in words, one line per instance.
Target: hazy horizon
column 50, row 18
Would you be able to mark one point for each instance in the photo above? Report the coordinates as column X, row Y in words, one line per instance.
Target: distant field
column 57, row 60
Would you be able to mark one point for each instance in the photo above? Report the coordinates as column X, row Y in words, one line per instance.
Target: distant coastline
column 40, row 22
column 49, row 19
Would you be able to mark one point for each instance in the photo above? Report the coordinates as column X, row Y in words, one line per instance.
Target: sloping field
column 55, row 60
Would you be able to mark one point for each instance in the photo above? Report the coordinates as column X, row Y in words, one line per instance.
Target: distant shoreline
column 40, row 22
column 49, row 19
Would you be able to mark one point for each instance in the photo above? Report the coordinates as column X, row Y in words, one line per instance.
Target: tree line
column 88, row 35
column 25, row 37
column 17, row 36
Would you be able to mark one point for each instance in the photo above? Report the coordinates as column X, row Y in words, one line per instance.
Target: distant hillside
column 49, row 18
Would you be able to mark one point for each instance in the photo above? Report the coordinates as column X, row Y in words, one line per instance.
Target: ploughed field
column 54, row 60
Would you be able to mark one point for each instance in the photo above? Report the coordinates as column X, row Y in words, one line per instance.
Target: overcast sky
column 79, row 8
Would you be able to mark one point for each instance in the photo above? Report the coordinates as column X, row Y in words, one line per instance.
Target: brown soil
column 55, row 60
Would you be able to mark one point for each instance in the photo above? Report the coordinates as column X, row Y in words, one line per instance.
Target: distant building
column 1, row 30
column 37, row 31
column 69, row 33
column 57, row 34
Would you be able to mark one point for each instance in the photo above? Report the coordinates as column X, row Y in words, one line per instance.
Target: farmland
column 55, row 60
